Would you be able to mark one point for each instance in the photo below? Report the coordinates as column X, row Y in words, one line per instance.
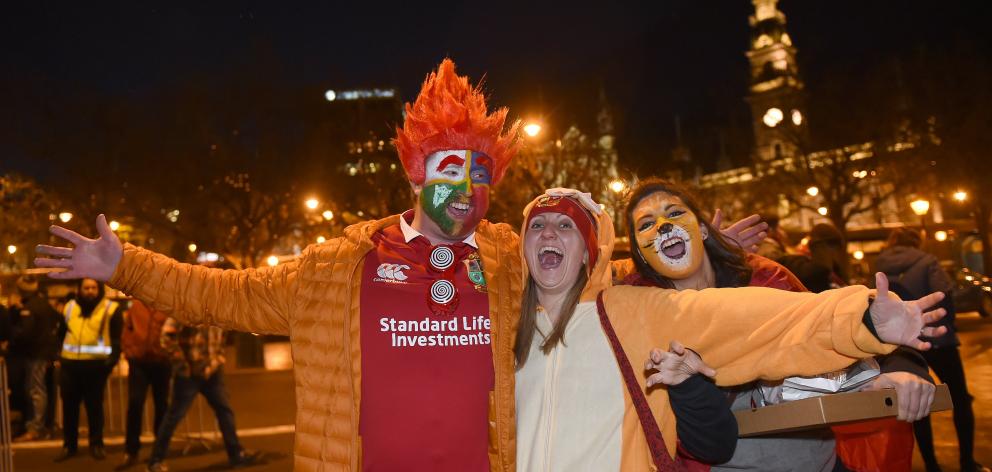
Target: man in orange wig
column 402, row 329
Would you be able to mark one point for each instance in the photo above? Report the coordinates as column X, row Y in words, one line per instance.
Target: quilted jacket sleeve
column 252, row 300
column 750, row 333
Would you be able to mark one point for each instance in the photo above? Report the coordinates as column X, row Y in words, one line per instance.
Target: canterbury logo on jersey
column 391, row 273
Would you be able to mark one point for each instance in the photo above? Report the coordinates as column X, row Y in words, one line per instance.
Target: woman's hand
column 904, row 322
column 748, row 232
column 675, row 366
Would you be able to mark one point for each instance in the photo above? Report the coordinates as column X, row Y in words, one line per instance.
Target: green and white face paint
column 455, row 195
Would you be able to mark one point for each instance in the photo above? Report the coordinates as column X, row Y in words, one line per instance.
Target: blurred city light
column 328, row 215
column 618, row 186
column 65, row 216
column 114, row 225
column 822, row 211
column 859, row 255
column 272, row 261
column 797, row 117
column 330, row 95
column 920, row 206
column 960, row 195
column 173, row 215
column 191, row 247
column 321, row 239
column 12, row 249
column 940, row 236
column 532, row 129
column 312, row 203
column 813, row 191
column 773, row 117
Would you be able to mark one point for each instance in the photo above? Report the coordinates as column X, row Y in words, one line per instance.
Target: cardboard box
column 826, row 410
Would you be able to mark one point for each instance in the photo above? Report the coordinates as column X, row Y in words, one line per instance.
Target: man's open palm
column 88, row 258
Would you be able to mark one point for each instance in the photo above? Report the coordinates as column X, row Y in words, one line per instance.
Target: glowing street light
column 960, row 195
column 65, row 216
column 328, row 215
column 822, row 211
column 617, row 186
column 812, row 191
column 532, row 129
column 312, row 203
column 859, row 255
column 330, row 95
column 191, row 247
column 114, row 225
column 321, row 239
column 272, row 261
column 12, row 249
column 920, row 206
column 940, row 236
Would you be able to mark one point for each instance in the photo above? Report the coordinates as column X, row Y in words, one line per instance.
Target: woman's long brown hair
column 528, row 318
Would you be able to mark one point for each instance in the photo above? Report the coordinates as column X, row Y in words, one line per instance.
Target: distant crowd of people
column 72, row 345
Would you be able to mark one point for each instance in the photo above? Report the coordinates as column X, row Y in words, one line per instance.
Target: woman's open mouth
column 550, row 257
column 673, row 248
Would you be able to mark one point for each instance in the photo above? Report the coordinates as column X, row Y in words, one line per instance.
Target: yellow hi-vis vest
column 88, row 337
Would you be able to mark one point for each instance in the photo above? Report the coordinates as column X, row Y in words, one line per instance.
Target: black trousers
column 141, row 375
column 946, row 363
column 83, row 382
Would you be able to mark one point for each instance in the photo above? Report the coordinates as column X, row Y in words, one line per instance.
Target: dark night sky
column 654, row 59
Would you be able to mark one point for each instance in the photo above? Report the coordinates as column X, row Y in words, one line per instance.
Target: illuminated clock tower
column 776, row 94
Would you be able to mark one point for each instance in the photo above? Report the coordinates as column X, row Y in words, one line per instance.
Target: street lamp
column 12, row 249
column 617, row 186
column 812, row 191
column 65, row 216
column 312, row 203
column 859, row 255
column 921, row 207
column 940, row 236
column 114, row 225
column 272, row 261
column 960, row 195
column 328, row 215
column 191, row 247
column 321, row 239
column 532, row 129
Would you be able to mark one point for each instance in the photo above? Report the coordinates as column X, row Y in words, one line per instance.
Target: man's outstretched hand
column 904, row 322
column 88, row 258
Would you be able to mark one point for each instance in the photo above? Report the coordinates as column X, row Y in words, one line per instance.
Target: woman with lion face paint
column 673, row 246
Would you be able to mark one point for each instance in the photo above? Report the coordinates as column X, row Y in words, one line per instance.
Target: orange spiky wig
column 451, row 114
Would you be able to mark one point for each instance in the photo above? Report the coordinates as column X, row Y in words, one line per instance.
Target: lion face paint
column 455, row 195
column 669, row 236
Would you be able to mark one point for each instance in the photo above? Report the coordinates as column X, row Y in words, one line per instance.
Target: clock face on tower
column 773, row 117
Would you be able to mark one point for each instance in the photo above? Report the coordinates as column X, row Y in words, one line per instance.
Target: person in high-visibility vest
column 90, row 350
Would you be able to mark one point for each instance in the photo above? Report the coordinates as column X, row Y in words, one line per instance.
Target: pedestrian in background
column 35, row 327
column 148, row 366
column 90, row 350
column 197, row 355
column 911, row 272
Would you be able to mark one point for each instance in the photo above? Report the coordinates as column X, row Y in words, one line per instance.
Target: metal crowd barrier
column 6, row 441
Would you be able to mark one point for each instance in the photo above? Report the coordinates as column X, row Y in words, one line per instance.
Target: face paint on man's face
column 455, row 195
column 669, row 236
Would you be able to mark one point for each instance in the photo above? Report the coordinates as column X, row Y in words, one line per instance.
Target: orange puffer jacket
column 314, row 300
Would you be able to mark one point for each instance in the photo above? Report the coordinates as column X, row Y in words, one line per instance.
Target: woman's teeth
column 550, row 257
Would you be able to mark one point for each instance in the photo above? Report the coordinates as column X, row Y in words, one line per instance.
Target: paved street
column 976, row 341
column 265, row 414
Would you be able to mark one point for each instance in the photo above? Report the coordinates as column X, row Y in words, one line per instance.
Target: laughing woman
column 580, row 403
